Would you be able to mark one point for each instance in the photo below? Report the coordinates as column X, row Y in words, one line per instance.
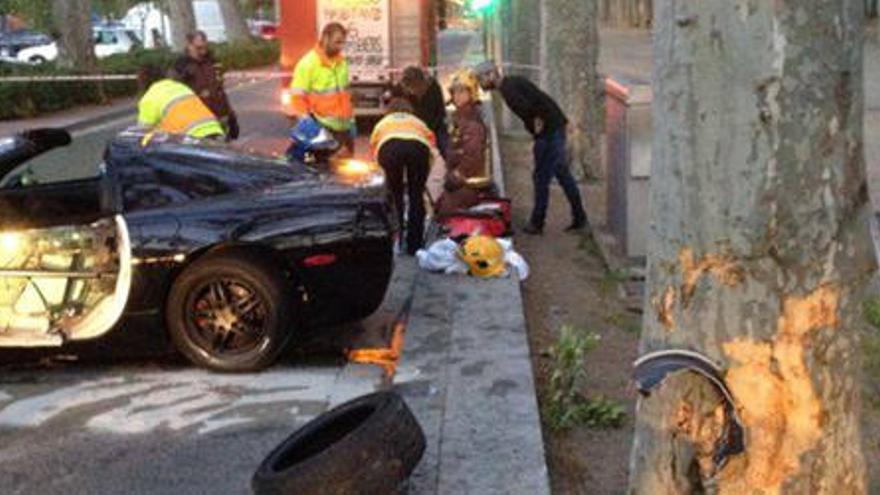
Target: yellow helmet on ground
column 466, row 78
column 484, row 256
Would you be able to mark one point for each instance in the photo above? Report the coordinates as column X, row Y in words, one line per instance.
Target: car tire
column 206, row 306
column 369, row 445
column 37, row 60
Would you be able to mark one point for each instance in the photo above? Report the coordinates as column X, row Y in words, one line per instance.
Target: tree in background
column 626, row 13
column 233, row 19
column 73, row 25
column 183, row 21
column 569, row 56
column 760, row 247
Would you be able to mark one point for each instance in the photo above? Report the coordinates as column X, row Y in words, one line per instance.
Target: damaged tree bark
column 760, row 246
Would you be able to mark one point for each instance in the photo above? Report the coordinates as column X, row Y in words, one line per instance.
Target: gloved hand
column 232, row 129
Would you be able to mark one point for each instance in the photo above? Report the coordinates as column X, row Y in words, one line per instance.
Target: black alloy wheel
column 231, row 312
column 226, row 316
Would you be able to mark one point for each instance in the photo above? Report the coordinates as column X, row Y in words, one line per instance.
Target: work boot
column 532, row 229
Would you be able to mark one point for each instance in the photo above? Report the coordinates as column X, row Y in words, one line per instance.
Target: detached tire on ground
column 367, row 446
column 231, row 312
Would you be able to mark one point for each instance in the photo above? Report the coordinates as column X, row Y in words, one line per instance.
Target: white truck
column 384, row 36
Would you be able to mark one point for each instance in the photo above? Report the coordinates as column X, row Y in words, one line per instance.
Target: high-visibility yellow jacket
column 401, row 125
column 320, row 87
column 172, row 107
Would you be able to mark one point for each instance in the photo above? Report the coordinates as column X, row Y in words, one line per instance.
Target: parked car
column 234, row 254
column 266, row 30
column 109, row 40
column 12, row 42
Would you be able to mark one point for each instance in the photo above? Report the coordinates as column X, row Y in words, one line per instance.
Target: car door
column 65, row 257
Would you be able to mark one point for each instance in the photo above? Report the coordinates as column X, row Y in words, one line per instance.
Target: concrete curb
column 466, row 373
column 103, row 118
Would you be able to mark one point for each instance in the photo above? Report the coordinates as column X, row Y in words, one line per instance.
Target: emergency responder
column 546, row 122
column 403, row 145
column 426, row 97
column 320, row 86
column 171, row 106
column 198, row 70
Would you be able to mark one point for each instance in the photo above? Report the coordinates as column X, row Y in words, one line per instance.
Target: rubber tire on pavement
column 369, row 445
column 264, row 278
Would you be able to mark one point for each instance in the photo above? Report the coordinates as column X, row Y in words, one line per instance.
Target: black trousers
column 402, row 158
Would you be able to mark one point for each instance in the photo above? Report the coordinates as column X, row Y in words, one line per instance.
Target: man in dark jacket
column 424, row 94
column 547, row 123
column 198, row 70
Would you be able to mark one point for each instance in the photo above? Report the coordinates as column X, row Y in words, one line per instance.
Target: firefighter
column 403, row 145
column 198, row 70
column 170, row 106
column 320, row 86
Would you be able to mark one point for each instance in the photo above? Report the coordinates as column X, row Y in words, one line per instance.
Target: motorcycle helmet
column 311, row 142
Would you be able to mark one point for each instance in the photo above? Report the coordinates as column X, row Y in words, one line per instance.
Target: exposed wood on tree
column 760, row 246
column 233, row 20
column 76, row 46
column 570, row 34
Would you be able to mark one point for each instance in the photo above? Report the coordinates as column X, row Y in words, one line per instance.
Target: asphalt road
column 130, row 416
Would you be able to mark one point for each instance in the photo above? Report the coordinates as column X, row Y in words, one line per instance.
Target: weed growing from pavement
column 566, row 407
column 871, row 347
column 611, row 281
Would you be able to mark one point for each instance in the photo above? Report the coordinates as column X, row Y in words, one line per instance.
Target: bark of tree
column 183, row 21
column 233, row 20
column 76, row 46
column 760, row 247
column 569, row 55
column 626, row 13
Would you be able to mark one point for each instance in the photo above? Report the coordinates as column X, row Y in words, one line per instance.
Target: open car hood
column 19, row 148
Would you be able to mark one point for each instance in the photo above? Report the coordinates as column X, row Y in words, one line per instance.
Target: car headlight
column 359, row 172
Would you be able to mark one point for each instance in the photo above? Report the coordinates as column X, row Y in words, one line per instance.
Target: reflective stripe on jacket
column 172, row 107
column 320, row 87
column 401, row 125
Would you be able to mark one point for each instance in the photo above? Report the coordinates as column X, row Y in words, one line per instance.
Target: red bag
column 490, row 217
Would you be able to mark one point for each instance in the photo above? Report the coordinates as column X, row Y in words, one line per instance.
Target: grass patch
column 566, row 406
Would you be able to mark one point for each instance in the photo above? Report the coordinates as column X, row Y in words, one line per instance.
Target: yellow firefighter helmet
column 466, row 78
column 483, row 255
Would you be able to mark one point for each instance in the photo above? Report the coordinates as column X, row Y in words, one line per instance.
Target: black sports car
column 234, row 252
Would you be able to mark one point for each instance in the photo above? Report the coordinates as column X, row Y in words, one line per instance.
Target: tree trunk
column 569, row 56
column 760, row 247
column 183, row 21
column 233, row 20
column 76, row 46
column 626, row 13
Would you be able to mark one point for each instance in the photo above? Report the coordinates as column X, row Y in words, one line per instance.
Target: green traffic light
column 479, row 5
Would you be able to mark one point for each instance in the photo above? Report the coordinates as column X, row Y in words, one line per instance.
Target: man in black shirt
column 546, row 122
column 197, row 69
column 426, row 97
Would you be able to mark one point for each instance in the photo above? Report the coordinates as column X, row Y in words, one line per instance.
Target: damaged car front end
column 233, row 253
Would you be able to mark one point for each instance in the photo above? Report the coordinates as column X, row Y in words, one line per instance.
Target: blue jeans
column 550, row 162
